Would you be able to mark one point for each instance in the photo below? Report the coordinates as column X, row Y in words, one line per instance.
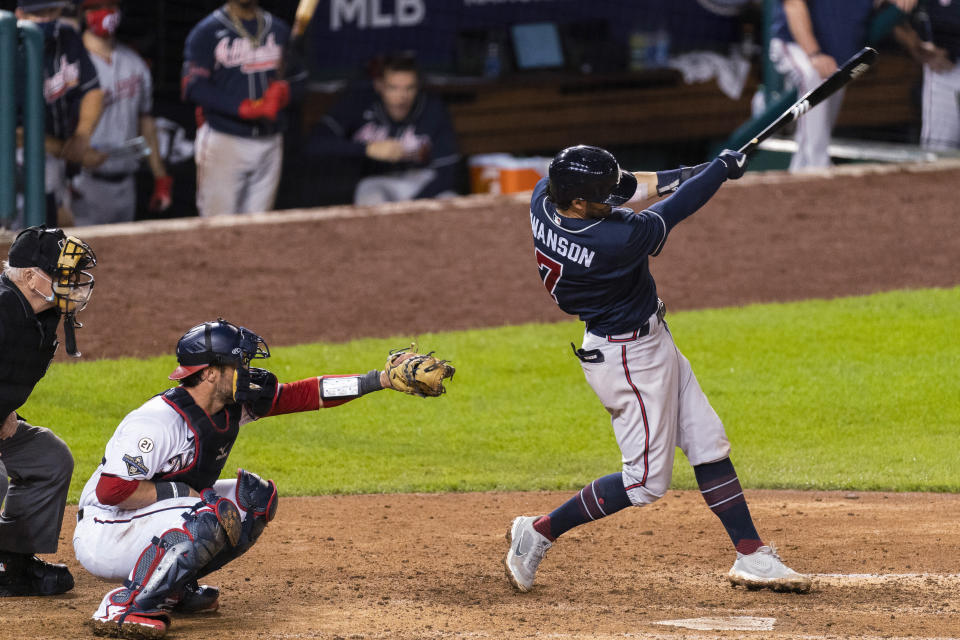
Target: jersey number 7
column 550, row 272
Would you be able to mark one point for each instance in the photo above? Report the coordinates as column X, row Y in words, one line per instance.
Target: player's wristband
column 167, row 490
column 814, row 54
column 670, row 180
column 343, row 388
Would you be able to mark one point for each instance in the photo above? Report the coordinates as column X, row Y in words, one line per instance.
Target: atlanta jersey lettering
column 68, row 76
column 223, row 67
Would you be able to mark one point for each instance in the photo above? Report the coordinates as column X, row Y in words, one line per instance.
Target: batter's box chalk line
column 861, row 579
column 731, row 623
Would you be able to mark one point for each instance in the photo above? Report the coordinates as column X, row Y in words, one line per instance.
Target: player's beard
column 225, row 388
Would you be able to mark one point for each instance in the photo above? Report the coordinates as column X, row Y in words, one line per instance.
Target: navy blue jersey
column 360, row 118
column 68, row 74
column 840, row 26
column 222, row 67
column 598, row 269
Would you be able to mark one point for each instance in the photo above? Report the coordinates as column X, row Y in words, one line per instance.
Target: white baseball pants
column 236, row 174
column 108, row 542
column 815, row 127
column 941, row 109
column 656, row 405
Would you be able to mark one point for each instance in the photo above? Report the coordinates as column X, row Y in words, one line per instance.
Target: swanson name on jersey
column 561, row 246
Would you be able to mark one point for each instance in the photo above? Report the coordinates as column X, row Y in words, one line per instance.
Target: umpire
column 41, row 281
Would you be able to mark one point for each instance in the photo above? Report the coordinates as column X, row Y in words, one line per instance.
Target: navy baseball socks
column 722, row 492
column 530, row 536
column 758, row 566
column 599, row 499
column 605, row 496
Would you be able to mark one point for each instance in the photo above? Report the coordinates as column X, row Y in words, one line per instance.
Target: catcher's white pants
column 815, row 127
column 108, row 542
column 656, row 405
column 236, row 174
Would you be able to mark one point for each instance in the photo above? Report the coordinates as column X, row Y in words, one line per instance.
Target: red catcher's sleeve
column 113, row 490
column 302, row 395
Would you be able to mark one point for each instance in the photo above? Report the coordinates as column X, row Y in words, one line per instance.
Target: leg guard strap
column 176, row 556
column 258, row 498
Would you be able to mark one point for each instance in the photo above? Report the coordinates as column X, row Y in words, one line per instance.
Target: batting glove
column 162, row 196
column 735, row 162
column 251, row 109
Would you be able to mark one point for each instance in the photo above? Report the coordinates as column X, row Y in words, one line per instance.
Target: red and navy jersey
column 225, row 65
column 599, row 269
column 840, row 26
column 68, row 74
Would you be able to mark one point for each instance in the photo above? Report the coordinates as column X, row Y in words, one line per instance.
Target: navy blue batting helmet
column 589, row 173
column 217, row 343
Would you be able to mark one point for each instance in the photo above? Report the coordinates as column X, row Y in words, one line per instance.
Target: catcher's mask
column 64, row 258
column 589, row 173
column 220, row 343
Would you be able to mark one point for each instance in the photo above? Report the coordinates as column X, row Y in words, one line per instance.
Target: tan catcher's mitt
column 416, row 373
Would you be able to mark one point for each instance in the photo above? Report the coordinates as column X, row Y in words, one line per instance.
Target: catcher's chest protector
column 213, row 438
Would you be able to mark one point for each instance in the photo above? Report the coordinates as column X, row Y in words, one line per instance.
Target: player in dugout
column 396, row 137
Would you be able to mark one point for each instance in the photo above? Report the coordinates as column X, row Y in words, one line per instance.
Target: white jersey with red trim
column 151, row 441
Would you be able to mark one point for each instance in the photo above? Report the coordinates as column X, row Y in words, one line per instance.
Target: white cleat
column 527, row 548
column 763, row 569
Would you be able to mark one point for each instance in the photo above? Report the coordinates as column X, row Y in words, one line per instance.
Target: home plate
column 732, row 623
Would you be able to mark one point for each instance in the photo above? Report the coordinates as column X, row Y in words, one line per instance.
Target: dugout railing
column 21, row 92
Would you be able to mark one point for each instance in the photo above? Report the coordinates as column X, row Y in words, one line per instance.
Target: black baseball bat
column 853, row 68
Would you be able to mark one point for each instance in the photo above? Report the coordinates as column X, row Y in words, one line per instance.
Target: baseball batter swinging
column 593, row 255
column 154, row 513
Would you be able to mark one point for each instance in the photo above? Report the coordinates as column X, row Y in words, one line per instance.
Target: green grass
column 856, row 393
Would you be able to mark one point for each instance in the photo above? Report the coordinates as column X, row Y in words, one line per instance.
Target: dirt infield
column 429, row 566
column 414, row 567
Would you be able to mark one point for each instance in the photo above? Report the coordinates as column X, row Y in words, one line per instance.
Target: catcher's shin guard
column 176, row 556
column 258, row 497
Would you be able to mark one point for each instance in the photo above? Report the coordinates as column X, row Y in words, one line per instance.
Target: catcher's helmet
column 217, row 343
column 589, row 173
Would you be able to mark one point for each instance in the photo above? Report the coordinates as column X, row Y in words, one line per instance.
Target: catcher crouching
column 155, row 514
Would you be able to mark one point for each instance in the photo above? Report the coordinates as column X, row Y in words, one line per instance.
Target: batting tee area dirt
column 429, row 566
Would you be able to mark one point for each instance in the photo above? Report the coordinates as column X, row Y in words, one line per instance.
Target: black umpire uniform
column 38, row 463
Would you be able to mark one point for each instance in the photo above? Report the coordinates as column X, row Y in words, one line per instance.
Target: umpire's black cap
column 589, row 173
column 37, row 247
